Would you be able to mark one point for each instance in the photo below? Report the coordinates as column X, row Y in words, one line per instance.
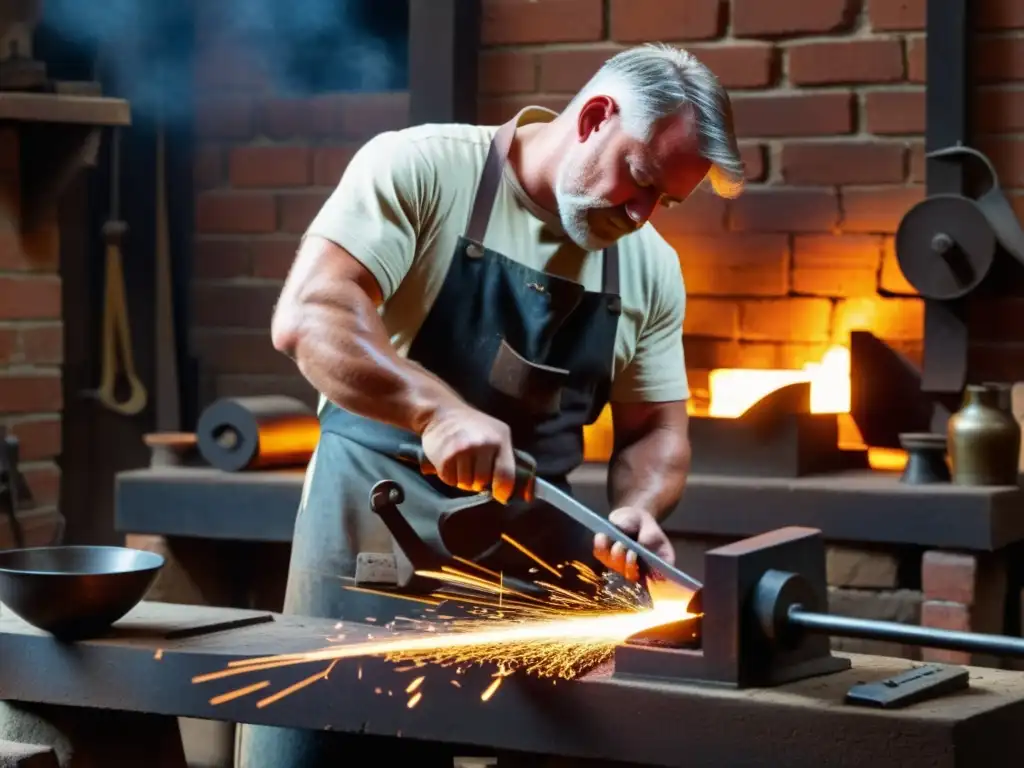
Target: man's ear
column 593, row 116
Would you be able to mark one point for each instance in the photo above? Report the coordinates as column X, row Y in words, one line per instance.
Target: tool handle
column 526, row 468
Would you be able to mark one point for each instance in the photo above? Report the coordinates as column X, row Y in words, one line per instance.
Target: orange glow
column 569, row 630
column 733, row 391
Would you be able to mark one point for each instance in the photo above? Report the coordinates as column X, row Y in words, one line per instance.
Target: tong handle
column 526, row 468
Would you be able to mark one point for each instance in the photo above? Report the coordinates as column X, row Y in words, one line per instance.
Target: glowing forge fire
column 559, row 636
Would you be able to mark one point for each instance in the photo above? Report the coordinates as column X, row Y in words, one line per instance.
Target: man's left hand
column 643, row 527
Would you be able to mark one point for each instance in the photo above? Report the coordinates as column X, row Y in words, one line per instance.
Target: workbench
column 147, row 662
column 857, row 506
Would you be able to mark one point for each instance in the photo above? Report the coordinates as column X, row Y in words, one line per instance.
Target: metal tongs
column 529, row 487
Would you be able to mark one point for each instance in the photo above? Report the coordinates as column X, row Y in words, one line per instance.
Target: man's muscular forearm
column 651, row 459
column 327, row 321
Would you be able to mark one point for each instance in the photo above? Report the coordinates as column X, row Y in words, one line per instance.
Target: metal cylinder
column 869, row 629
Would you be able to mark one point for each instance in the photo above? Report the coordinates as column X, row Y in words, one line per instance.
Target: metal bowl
column 75, row 592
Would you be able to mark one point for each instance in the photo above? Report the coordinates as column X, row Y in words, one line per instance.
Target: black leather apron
column 531, row 349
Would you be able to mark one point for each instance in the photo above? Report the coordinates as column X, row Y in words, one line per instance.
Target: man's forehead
column 672, row 154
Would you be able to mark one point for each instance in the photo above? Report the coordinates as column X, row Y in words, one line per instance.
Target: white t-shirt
column 405, row 199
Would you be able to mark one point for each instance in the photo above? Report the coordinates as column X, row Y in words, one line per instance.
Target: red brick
column 509, row 22
column 895, row 112
column 43, row 481
column 298, row 210
column 236, row 213
column 283, row 118
column 917, row 163
column 238, row 352
column 949, row 576
column 790, row 319
column 640, row 21
column 802, row 114
column 835, row 163
column 494, row 111
column 270, row 166
column 701, row 212
column 224, row 117
column 37, row 250
column 768, row 209
column 999, row 14
column 361, row 116
column 849, row 61
column 754, row 168
column 9, row 343
column 221, row 259
column 503, row 72
column 917, row 61
column 891, row 278
column 940, row 614
column 43, row 344
column 712, row 318
column 30, row 298
column 329, row 163
column 30, row 393
column 740, row 65
column 271, row 259
column 890, row 319
column 1007, row 155
column 886, row 15
column 208, row 166
column 878, row 210
column 706, row 354
column 568, row 70
column 756, row 18
column 38, row 438
column 999, row 110
column 998, row 59
column 234, row 306
column 734, row 265
column 836, row 265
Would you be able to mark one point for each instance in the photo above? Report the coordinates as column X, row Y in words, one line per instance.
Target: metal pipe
column 869, row 629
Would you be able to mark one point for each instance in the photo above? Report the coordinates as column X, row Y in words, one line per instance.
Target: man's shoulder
column 440, row 142
column 650, row 253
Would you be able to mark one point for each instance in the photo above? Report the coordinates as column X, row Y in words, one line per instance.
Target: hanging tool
column 116, row 329
column 10, row 484
column 168, row 405
column 529, row 487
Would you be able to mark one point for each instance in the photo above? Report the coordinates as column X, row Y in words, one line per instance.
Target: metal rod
column 869, row 629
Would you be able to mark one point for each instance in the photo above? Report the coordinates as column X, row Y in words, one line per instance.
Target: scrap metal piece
column 919, row 684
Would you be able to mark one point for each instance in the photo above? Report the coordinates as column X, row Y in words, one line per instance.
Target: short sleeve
column 657, row 372
column 380, row 207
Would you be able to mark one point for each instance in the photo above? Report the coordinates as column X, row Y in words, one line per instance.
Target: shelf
column 58, row 135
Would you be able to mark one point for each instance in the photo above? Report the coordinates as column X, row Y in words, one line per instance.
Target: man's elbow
column 285, row 328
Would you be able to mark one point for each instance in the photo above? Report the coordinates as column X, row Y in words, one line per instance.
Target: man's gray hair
column 655, row 80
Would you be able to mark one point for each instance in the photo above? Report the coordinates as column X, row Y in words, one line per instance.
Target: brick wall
column 264, row 165
column 829, row 104
column 31, row 347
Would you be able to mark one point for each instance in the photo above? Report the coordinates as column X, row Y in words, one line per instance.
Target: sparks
column 558, row 636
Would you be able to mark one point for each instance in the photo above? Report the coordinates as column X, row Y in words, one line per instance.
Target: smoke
column 147, row 49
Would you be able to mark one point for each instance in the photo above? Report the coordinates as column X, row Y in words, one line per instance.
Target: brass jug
column 984, row 439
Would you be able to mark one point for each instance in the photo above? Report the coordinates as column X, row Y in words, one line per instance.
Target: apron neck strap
column 610, row 270
column 487, row 189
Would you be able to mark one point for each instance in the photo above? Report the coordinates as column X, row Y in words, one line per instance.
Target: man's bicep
column 378, row 209
column 657, row 371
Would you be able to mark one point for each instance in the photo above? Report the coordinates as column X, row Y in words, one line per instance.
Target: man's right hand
column 471, row 451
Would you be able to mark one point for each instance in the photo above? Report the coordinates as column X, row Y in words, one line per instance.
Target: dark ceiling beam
column 444, row 44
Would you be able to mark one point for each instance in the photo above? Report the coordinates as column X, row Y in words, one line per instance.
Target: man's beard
column 574, row 204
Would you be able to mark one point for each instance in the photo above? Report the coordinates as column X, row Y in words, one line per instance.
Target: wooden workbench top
column 148, row 662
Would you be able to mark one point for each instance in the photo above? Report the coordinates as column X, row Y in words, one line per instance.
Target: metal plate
column 971, row 246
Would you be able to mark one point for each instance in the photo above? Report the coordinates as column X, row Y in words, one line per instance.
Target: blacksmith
column 476, row 289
